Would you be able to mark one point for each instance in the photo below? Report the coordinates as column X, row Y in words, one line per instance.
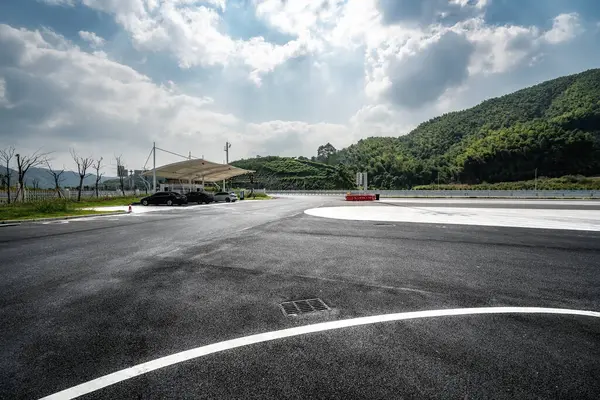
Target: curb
column 22, row 221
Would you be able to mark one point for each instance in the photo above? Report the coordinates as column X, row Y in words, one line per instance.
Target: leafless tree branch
column 83, row 163
column 24, row 163
column 97, row 166
column 57, row 176
column 6, row 155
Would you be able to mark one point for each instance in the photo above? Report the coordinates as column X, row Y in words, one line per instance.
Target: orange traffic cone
column 129, row 211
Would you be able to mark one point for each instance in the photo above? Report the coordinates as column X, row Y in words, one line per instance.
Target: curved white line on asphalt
column 581, row 220
column 140, row 369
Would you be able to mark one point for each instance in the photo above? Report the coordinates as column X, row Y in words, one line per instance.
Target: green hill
column 553, row 127
column 294, row 174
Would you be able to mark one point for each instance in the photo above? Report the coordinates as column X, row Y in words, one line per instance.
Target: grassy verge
column 43, row 209
column 107, row 201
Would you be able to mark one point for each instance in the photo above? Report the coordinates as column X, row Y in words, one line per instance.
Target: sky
column 273, row 77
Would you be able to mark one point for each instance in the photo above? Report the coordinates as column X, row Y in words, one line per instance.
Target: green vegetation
column 543, row 183
column 293, row 174
column 551, row 129
column 42, row 209
column 107, row 201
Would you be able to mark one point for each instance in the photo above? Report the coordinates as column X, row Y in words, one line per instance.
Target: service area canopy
column 198, row 170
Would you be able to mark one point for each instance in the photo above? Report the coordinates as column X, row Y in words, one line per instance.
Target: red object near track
column 360, row 197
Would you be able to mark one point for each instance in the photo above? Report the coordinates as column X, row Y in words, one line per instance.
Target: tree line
column 19, row 164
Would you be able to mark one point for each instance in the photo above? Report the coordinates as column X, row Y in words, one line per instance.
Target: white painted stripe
column 140, row 369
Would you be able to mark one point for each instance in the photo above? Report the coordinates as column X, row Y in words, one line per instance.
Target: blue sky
column 273, row 77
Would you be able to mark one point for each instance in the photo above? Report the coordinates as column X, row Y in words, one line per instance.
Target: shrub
column 50, row 206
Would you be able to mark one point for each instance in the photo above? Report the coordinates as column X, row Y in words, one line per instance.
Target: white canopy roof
column 197, row 170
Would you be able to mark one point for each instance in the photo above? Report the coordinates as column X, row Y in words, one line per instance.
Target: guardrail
column 521, row 194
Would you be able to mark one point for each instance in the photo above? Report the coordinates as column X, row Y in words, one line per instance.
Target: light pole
column 154, row 167
column 227, row 147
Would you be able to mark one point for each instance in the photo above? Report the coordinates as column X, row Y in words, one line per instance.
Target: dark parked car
column 200, row 197
column 168, row 198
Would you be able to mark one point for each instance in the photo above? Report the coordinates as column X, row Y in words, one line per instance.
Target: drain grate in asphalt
column 293, row 308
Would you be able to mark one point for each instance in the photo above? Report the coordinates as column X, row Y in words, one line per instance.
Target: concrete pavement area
column 83, row 299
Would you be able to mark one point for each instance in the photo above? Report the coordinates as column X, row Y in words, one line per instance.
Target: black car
column 168, row 198
column 200, row 197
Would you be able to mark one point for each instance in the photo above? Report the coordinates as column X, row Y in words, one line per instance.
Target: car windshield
column 299, row 199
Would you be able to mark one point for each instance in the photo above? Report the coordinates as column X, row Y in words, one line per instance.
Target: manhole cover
column 292, row 308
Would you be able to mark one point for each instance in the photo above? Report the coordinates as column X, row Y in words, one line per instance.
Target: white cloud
column 500, row 48
column 294, row 138
column 565, row 27
column 3, row 97
column 299, row 17
column 191, row 30
column 94, row 40
column 87, row 101
column 380, row 120
column 76, row 96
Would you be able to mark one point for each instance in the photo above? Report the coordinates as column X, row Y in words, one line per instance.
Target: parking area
column 181, row 304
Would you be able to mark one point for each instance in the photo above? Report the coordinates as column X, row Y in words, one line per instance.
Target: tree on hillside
column 121, row 172
column 97, row 166
column 325, row 152
column 83, row 163
column 6, row 155
column 24, row 163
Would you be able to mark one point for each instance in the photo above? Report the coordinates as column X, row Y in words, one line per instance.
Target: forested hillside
column 292, row 173
column 553, row 127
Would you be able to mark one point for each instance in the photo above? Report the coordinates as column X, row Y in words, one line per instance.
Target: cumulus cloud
column 92, row 39
column 429, row 11
column 71, row 95
column 192, row 32
column 293, row 138
column 421, row 77
column 76, row 98
column 564, row 28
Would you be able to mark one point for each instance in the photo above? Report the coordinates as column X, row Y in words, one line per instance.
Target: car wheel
column 228, row 200
column 169, row 202
column 144, row 202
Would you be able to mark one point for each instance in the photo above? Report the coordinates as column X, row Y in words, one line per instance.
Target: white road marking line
column 140, row 369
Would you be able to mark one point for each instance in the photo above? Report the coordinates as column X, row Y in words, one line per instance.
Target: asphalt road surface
column 86, row 298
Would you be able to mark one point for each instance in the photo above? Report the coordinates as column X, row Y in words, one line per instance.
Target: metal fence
column 38, row 195
column 522, row 194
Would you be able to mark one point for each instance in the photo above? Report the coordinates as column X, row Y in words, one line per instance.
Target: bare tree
column 97, row 166
column 35, row 183
column 83, row 163
column 57, row 176
column 23, row 165
column 121, row 172
column 6, row 156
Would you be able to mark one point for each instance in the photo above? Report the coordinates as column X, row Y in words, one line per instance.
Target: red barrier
column 360, row 197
